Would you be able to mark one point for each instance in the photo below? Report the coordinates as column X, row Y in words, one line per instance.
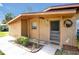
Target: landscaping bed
column 70, row 48
column 30, row 46
column 34, row 47
column 67, row 50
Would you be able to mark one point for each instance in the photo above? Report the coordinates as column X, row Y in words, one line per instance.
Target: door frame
column 59, row 30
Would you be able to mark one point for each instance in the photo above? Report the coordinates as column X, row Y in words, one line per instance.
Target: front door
column 55, row 31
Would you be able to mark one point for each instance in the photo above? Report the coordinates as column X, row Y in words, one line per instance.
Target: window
column 55, row 25
column 34, row 25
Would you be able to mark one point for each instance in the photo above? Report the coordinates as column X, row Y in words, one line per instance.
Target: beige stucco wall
column 67, row 35
column 34, row 33
column 42, row 31
column 15, row 28
column 24, row 27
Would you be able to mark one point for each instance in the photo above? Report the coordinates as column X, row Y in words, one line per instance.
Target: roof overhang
column 63, row 7
column 14, row 18
column 69, row 11
column 60, row 12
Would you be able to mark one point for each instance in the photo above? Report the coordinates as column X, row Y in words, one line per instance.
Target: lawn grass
column 1, row 53
column 3, row 34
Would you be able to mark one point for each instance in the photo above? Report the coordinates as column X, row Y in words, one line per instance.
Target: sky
column 17, row 8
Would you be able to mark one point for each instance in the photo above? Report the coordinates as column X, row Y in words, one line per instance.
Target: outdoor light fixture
column 41, row 17
column 46, row 21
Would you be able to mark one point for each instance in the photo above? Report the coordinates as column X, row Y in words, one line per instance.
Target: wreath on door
column 68, row 23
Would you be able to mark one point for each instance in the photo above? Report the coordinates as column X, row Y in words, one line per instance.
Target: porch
column 38, row 26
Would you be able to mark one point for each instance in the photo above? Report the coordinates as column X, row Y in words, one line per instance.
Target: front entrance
column 55, row 32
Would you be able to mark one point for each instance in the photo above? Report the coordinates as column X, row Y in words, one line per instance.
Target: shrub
column 4, row 27
column 23, row 40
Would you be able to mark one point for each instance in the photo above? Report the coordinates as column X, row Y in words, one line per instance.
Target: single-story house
column 55, row 24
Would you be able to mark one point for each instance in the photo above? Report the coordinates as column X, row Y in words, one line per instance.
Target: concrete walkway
column 11, row 49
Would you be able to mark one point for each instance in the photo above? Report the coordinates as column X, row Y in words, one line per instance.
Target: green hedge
column 3, row 28
column 23, row 40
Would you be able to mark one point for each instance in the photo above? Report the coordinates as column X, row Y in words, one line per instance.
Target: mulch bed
column 70, row 48
column 31, row 47
column 34, row 47
column 67, row 50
